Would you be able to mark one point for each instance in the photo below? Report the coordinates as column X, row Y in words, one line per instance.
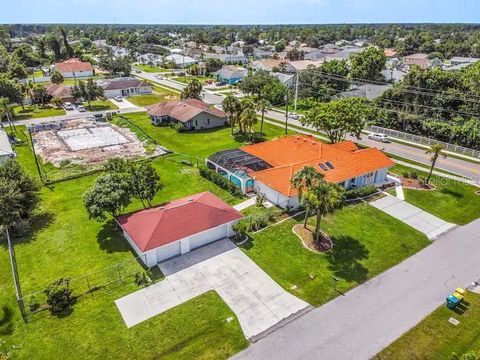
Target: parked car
column 221, row 83
column 81, row 108
column 118, row 98
column 68, row 106
column 379, row 137
column 138, row 71
column 159, row 77
column 294, row 116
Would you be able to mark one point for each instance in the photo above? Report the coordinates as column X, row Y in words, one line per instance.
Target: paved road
column 369, row 317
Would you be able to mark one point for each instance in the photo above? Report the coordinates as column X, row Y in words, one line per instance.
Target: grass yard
column 435, row 338
column 199, row 144
column 452, row 201
column 149, row 99
column 100, row 105
column 36, row 111
column 366, row 243
column 188, row 79
column 64, row 242
column 151, row 68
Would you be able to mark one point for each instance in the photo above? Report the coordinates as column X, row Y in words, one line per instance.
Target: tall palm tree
column 231, row 105
column 304, row 180
column 262, row 106
column 435, row 150
column 324, row 198
column 248, row 118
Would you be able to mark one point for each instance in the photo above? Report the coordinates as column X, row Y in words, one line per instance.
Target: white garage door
column 208, row 237
column 168, row 251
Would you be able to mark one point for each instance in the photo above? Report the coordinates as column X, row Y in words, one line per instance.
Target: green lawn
column 435, row 338
column 100, row 105
column 366, row 243
column 188, row 79
column 452, row 201
column 36, row 111
column 151, row 69
column 197, row 143
column 149, row 99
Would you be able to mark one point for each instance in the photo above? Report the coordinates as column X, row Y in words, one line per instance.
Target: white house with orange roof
column 267, row 167
column 74, row 68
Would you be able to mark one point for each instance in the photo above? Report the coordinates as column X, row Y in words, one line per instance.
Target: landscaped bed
column 435, row 338
column 366, row 242
column 452, row 200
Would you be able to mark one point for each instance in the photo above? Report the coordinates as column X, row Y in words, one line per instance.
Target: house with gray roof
column 127, row 86
column 230, row 74
column 6, row 150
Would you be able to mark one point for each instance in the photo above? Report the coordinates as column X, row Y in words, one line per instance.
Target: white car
column 68, row 106
column 159, row 77
column 379, row 137
column 294, row 116
column 81, row 108
column 118, row 98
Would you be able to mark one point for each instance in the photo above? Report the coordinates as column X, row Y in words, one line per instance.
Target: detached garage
column 163, row 232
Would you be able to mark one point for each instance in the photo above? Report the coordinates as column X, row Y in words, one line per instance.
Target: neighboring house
column 6, row 150
column 390, row 53
column 150, row 59
column 344, row 54
column 261, row 54
column 176, row 228
column 230, row 74
column 181, row 60
column 460, row 60
column 300, row 65
column 227, row 58
column 266, row 168
column 60, row 91
column 124, row 87
column 286, row 79
column 420, row 60
column 194, row 114
column 74, row 68
column 272, row 64
column 368, row 91
column 393, row 75
column 315, row 55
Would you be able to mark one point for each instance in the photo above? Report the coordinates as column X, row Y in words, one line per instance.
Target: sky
column 239, row 11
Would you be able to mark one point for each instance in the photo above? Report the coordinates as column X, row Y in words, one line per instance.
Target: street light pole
column 286, row 112
column 16, row 280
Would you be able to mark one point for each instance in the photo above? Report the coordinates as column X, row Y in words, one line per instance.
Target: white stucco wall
column 78, row 74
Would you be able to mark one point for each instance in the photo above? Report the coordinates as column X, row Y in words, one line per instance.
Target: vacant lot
column 151, row 68
column 366, row 243
column 435, row 338
column 36, row 111
column 452, row 201
column 149, row 99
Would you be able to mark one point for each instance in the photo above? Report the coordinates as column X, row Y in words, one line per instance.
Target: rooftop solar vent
column 324, row 168
column 329, row 164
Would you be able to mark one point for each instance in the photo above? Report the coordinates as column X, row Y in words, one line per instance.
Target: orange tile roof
column 290, row 154
column 72, row 65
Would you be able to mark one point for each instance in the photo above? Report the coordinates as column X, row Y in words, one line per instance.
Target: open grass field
column 151, row 68
column 36, row 111
column 452, row 201
column 188, row 79
column 100, row 105
column 366, row 243
column 159, row 95
column 64, row 242
column 435, row 338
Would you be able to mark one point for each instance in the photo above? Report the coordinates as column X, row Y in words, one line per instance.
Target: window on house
column 208, row 121
column 196, row 123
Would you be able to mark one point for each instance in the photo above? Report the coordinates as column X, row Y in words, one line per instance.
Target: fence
column 424, row 141
column 36, row 302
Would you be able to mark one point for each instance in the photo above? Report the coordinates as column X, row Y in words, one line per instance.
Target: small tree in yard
column 192, row 91
column 304, row 180
column 435, row 150
column 39, row 93
column 56, row 77
column 145, row 183
column 262, row 106
column 58, row 102
column 59, row 296
column 110, row 193
column 88, row 91
column 323, row 198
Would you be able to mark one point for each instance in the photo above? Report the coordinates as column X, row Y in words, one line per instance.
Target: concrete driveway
column 417, row 218
column 124, row 104
column 260, row 304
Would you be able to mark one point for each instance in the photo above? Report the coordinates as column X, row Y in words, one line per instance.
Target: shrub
column 178, row 127
column 260, row 200
column 360, row 192
column 142, row 279
column 240, row 229
column 414, row 175
column 59, row 295
column 219, row 180
column 406, row 174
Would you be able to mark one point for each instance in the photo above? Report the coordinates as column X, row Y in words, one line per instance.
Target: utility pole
column 296, row 93
column 16, row 280
column 286, row 112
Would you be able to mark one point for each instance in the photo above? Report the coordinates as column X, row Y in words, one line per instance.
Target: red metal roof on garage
column 158, row 226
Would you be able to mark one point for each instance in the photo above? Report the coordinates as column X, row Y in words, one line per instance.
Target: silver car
column 379, row 137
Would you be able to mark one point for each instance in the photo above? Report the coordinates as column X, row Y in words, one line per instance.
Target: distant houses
column 192, row 113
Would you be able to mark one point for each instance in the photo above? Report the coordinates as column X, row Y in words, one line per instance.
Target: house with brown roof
column 63, row 92
column 194, row 114
column 74, row 68
column 127, row 86
column 266, row 168
column 420, row 60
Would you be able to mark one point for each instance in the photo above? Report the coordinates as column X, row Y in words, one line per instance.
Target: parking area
column 417, row 218
column 258, row 301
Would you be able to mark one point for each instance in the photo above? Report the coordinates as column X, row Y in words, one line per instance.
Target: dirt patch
column 308, row 240
column 417, row 184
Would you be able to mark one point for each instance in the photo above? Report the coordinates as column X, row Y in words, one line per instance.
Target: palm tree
column 248, row 118
column 6, row 109
column 302, row 180
column 192, row 91
column 262, row 106
column 435, row 150
column 324, row 198
column 232, row 107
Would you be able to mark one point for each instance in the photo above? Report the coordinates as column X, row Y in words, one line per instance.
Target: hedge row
column 360, row 192
column 220, row 181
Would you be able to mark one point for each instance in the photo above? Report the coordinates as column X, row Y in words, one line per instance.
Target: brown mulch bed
column 306, row 235
column 414, row 183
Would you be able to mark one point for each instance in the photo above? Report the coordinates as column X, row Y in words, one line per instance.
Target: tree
column 110, row 193
column 192, row 91
column 248, row 118
column 213, row 65
column 56, row 77
column 280, row 45
column 339, row 118
column 435, row 150
column 9, row 89
column 19, row 194
column 233, row 109
column 58, row 102
column 59, row 295
column 368, row 64
column 39, row 93
column 145, row 183
column 295, row 54
column 262, row 106
column 304, row 180
column 116, row 65
column 68, row 48
column 88, row 91
column 6, row 110
column 323, row 198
